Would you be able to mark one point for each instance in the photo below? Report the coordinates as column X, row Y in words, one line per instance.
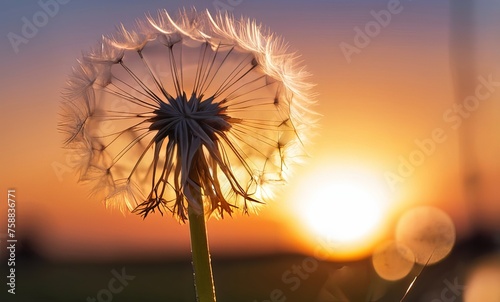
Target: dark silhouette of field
column 237, row 279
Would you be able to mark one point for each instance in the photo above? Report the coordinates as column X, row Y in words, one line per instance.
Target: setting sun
column 346, row 208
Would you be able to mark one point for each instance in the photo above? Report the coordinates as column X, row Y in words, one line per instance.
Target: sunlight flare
column 343, row 207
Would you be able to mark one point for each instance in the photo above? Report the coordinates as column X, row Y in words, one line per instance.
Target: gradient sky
column 394, row 91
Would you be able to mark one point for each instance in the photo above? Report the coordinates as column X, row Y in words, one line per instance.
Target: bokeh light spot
column 428, row 232
column 392, row 261
column 483, row 284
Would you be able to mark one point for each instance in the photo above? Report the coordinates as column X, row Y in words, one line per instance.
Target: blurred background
column 403, row 169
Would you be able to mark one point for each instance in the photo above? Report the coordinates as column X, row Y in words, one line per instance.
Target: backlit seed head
column 201, row 111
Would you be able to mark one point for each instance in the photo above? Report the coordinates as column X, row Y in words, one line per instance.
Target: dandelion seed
column 225, row 122
column 198, row 116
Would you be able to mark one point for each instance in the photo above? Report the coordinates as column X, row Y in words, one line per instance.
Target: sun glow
column 343, row 208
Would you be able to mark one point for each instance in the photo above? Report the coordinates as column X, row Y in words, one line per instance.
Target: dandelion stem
column 203, row 280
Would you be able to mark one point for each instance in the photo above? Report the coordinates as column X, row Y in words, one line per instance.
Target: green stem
column 203, row 280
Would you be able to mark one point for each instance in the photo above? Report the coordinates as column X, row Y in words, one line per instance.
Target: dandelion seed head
column 203, row 111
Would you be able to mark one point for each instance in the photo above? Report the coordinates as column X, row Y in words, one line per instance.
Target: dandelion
column 197, row 116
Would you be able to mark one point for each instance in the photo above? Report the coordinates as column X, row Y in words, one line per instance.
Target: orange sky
column 374, row 108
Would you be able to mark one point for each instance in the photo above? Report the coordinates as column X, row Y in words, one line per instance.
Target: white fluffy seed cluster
column 202, row 111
